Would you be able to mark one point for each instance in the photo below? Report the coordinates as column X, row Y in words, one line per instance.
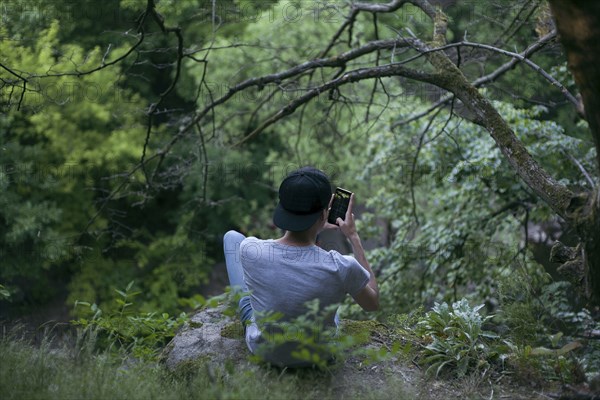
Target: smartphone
column 341, row 199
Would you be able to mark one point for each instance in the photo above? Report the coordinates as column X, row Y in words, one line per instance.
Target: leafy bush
column 142, row 334
column 545, row 330
column 456, row 338
column 451, row 207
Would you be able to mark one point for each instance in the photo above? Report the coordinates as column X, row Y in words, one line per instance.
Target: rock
column 210, row 335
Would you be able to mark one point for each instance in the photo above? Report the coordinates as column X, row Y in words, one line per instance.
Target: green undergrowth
column 114, row 354
column 50, row 372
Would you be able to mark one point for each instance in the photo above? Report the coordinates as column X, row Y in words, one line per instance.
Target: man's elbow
column 368, row 299
column 373, row 305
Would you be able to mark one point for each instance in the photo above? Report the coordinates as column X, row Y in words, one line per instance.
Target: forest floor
column 396, row 377
column 354, row 377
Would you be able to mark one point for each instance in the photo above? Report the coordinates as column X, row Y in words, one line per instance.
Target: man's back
column 283, row 278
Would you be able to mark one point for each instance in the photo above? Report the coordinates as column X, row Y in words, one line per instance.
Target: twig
column 154, row 107
column 581, row 168
column 24, row 85
column 349, row 77
column 518, row 56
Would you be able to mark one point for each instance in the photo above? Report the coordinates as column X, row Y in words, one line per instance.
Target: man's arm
column 368, row 297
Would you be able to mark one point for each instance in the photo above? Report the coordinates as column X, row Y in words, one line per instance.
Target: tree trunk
column 578, row 24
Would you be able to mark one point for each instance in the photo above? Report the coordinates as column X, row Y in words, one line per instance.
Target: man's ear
column 325, row 214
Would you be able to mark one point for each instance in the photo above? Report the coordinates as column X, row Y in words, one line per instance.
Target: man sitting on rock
column 284, row 275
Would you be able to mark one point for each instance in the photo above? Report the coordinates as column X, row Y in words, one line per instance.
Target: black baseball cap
column 303, row 195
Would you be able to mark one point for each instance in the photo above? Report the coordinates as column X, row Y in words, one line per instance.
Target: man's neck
column 306, row 238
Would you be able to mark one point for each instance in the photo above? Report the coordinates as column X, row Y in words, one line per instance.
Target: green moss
column 195, row 325
column 234, row 330
column 362, row 331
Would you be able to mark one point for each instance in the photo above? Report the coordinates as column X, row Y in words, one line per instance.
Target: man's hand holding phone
column 347, row 225
column 368, row 297
column 338, row 207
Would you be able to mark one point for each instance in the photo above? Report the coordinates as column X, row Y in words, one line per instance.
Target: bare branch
column 522, row 56
column 581, row 168
column 527, row 61
column 521, row 22
column 335, row 61
column 98, row 68
column 153, row 109
column 349, row 77
column 413, row 168
column 395, row 5
column 348, row 23
column 378, row 7
column 429, row 51
column 24, row 85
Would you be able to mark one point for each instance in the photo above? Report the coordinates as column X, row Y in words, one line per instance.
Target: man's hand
column 347, row 225
column 327, row 224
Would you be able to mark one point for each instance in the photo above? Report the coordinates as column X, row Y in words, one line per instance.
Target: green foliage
column 142, row 334
column 544, row 330
column 455, row 214
column 56, row 152
column 4, row 293
column 457, row 340
column 62, row 154
column 308, row 338
column 312, row 339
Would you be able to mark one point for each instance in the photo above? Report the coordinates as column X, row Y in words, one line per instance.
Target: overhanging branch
column 349, row 77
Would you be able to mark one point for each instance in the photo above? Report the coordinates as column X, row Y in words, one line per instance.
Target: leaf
column 489, row 335
column 555, row 338
column 543, row 351
column 440, row 367
column 569, row 347
column 479, row 307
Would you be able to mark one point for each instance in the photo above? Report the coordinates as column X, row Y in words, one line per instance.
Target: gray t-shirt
column 284, row 278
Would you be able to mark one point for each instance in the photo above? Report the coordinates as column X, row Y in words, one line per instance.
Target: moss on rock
column 234, row 330
column 194, row 324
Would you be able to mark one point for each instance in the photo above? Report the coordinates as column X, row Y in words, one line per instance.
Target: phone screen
column 339, row 206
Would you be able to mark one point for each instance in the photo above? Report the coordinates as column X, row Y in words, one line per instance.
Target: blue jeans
column 235, row 272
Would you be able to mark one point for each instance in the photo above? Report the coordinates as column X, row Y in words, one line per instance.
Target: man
column 283, row 275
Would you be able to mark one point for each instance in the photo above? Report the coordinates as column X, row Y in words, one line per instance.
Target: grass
column 77, row 372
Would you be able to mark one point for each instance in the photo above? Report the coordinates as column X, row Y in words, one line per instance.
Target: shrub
column 142, row 334
column 456, row 339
